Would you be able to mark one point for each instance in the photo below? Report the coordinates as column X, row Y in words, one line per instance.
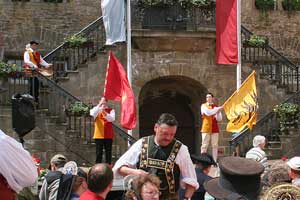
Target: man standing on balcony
column 161, row 154
column 33, row 61
column 211, row 115
column 103, row 131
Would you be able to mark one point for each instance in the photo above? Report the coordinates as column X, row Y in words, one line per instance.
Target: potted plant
column 291, row 5
column 77, row 109
column 255, row 41
column 77, row 41
column 265, row 4
column 288, row 114
column 10, row 70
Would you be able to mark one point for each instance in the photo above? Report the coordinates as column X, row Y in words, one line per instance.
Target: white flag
column 113, row 12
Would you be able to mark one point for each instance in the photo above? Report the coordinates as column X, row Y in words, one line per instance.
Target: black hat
column 204, row 158
column 239, row 179
column 33, row 42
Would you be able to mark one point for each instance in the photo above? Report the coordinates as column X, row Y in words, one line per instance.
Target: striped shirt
column 258, row 155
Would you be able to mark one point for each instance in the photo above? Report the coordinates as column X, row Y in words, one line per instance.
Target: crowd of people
column 159, row 167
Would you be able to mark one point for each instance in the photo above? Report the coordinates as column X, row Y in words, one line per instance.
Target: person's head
column 103, row 102
column 204, row 162
column 209, row 98
column 165, row 129
column 144, row 187
column 57, row 161
column 259, row 141
column 34, row 45
column 80, row 182
column 294, row 166
column 278, row 173
column 100, row 178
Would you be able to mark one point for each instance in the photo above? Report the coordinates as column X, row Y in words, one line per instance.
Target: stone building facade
column 172, row 70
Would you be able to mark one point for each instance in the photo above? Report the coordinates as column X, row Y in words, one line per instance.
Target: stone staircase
column 284, row 75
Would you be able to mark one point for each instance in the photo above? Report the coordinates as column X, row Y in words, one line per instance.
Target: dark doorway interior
column 176, row 105
column 178, row 95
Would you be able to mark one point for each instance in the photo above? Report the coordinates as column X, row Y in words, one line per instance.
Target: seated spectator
column 51, row 182
column 100, row 178
column 17, row 169
column 257, row 153
column 144, row 188
column 203, row 164
column 239, row 179
column 294, row 165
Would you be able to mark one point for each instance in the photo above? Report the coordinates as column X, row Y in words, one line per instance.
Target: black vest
column 161, row 161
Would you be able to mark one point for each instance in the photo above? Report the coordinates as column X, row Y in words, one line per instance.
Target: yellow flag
column 241, row 107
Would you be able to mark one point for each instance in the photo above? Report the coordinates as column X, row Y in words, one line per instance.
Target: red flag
column 117, row 88
column 226, row 32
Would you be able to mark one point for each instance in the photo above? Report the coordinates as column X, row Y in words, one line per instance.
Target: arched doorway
column 178, row 95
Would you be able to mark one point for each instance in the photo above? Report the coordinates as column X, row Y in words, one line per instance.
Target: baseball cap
column 58, row 158
column 294, row 163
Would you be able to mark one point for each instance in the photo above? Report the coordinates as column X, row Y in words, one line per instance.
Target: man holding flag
column 211, row 114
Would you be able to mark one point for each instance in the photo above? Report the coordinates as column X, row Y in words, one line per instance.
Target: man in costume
column 163, row 155
column 211, row 115
column 103, row 132
column 33, row 61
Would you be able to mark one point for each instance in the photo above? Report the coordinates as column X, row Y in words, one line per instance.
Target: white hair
column 27, row 46
column 257, row 140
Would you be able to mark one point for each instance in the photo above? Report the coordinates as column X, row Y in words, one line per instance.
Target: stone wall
column 282, row 27
column 48, row 23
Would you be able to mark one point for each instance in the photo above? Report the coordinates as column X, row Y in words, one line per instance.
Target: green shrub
column 256, row 41
column 75, row 40
column 265, row 4
column 78, row 108
column 291, row 4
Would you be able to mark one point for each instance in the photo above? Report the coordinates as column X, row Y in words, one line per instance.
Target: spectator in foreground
column 257, row 152
column 100, row 179
column 294, row 165
column 144, row 188
column 17, row 169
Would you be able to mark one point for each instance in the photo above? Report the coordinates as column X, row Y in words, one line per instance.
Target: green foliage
column 75, row 40
column 265, row 4
column 256, row 41
column 7, row 69
column 287, row 113
column 291, row 4
column 78, row 108
column 183, row 3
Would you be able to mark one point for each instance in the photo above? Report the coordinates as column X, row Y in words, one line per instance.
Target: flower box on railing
column 255, row 41
column 265, row 4
column 10, row 70
column 77, row 109
column 291, row 5
column 78, row 41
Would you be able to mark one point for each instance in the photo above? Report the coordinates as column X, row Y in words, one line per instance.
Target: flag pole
column 239, row 65
column 129, row 71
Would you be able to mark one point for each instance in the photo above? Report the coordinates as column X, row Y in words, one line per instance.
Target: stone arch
column 178, row 95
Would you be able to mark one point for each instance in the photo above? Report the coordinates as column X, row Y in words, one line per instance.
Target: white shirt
column 209, row 112
column 131, row 157
column 257, row 154
column 110, row 117
column 16, row 164
column 31, row 64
